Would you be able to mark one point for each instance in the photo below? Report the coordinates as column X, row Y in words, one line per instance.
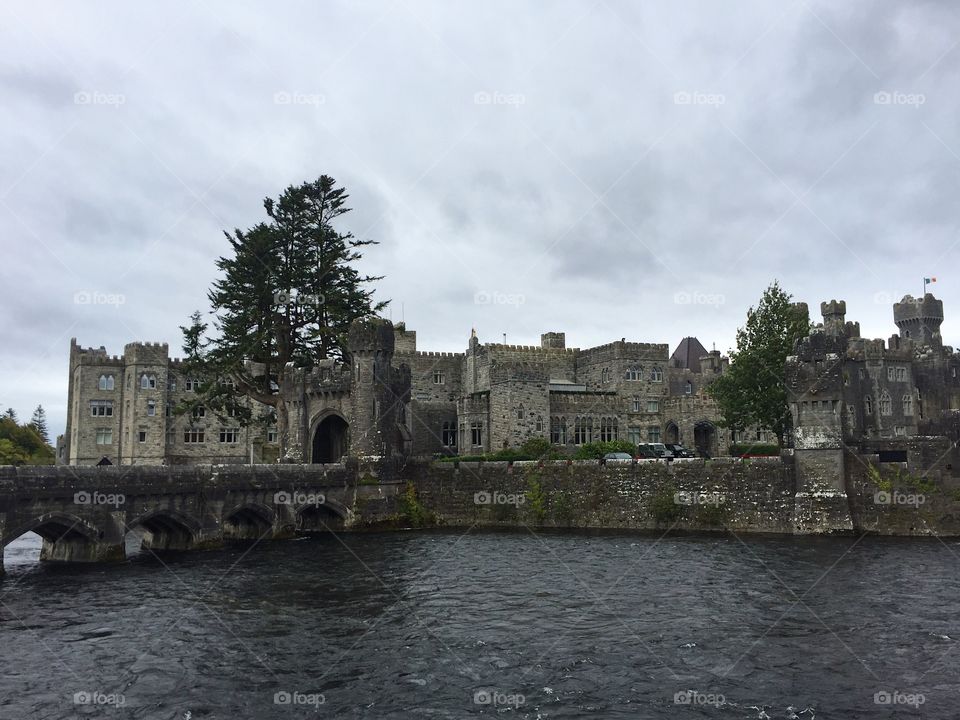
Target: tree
column 11, row 414
column 22, row 444
column 287, row 294
column 752, row 391
column 39, row 423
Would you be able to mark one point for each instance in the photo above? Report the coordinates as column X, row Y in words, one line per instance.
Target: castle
column 389, row 398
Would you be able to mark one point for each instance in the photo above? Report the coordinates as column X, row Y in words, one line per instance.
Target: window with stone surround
column 191, row 384
column 229, row 436
column 193, row 435
column 104, row 436
column 688, row 388
column 907, row 405
column 900, row 431
column 101, row 408
column 558, row 430
column 656, row 375
column 148, row 382
column 653, row 434
column 608, row 429
column 476, row 433
column 438, row 377
column 653, row 406
column 539, row 426
column 271, row 435
column 171, row 383
column 199, row 411
column 634, row 373
column 142, row 436
column 634, row 435
column 520, row 412
column 886, row 406
column 635, row 406
column 868, row 405
column 106, row 382
column 448, row 434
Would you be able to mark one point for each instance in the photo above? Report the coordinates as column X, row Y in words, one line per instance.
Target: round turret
column 919, row 319
column 371, row 335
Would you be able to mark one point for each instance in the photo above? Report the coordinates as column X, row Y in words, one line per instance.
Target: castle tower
column 834, row 314
column 142, row 419
column 553, row 340
column 919, row 319
column 374, row 410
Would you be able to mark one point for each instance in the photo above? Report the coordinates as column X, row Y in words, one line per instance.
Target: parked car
column 617, row 456
column 661, row 450
column 646, row 452
column 679, row 451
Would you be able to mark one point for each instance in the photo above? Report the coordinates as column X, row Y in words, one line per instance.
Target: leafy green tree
column 39, row 423
column 752, row 392
column 22, row 444
column 285, row 298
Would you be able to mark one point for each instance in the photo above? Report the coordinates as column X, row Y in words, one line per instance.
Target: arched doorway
column 704, row 438
column 672, row 433
column 329, row 440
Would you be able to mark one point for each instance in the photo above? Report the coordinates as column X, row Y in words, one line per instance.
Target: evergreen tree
column 39, row 423
column 752, row 392
column 11, row 414
column 285, row 299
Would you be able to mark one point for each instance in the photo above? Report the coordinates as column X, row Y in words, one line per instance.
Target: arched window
column 520, row 412
column 106, row 382
column 539, row 423
column 634, row 373
column 605, row 375
column 868, row 404
column 148, row 382
column 688, row 388
column 907, row 405
column 656, row 375
column 886, row 407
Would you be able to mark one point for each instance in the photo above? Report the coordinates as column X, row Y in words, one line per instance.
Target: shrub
column 596, row 450
column 663, row 506
column 738, row 449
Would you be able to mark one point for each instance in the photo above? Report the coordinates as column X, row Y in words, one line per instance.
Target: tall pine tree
column 287, row 294
column 39, row 423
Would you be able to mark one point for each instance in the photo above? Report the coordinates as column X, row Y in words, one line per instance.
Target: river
column 514, row 625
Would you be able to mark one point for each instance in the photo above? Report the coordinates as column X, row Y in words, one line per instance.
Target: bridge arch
column 330, row 437
column 166, row 529
column 322, row 517
column 56, row 526
column 249, row 521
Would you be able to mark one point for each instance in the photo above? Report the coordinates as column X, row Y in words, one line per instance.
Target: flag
column 927, row 281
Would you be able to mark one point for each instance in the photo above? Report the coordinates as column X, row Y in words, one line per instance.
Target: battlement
column 528, row 348
column 833, row 307
column 430, row 354
column 661, row 349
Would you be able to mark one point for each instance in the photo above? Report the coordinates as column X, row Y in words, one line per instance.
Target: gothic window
column 656, row 375
column 229, row 435
column 104, row 436
column 589, row 429
column 868, row 405
column 558, row 430
column 580, row 431
column 106, row 382
column 148, row 382
column 520, row 412
column 101, row 408
column 192, row 384
column 605, row 375
column 636, row 403
column 539, row 423
column 634, row 373
column 907, row 405
column 448, row 434
column 886, row 406
column 151, row 408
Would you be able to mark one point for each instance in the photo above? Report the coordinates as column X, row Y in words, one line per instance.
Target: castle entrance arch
column 705, row 438
column 330, row 440
column 672, row 434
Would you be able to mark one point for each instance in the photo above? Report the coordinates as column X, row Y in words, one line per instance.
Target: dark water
column 433, row 625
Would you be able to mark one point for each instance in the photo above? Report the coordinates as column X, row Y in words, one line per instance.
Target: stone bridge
column 84, row 514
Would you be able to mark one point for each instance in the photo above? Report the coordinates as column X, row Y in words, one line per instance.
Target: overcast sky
column 607, row 169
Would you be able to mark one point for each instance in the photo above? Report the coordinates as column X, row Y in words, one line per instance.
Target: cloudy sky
column 607, row 169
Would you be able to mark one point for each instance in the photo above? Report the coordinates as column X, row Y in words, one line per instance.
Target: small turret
column 834, row 317
column 919, row 319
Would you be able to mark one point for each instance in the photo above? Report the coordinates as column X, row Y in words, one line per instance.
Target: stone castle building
column 389, row 397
